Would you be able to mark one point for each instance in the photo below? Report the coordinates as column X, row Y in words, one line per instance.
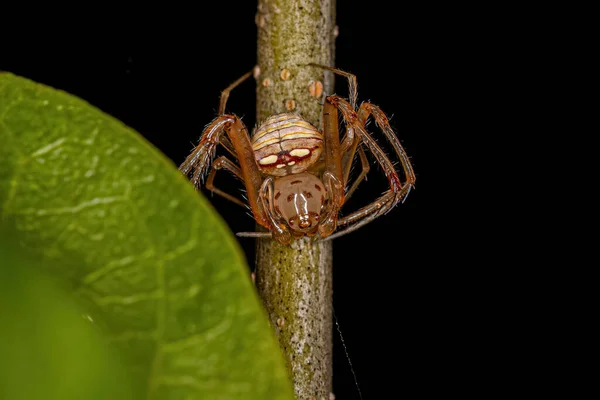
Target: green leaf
column 110, row 217
column 48, row 347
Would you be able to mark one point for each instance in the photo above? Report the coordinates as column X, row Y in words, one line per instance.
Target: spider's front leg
column 333, row 177
column 279, row 228
column 199, row 160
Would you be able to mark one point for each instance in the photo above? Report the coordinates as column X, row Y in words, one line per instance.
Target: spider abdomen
column 286, row 144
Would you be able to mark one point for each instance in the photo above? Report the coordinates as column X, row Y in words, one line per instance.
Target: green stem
column 295, row 282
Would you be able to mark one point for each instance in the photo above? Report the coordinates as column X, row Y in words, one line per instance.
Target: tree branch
column 295, row 282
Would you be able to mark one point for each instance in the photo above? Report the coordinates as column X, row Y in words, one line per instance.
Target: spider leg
column 369, row 213
column 381, row 120
column 349, row 156
column 199, row 159
column 360, row 217
column 392, row 175
column 388, row 199
column 352, row 83
column 225, row 142
column 348, row 153
column 367, row 109
column 259, row 235
column 225, row 93
column 278, row 227
column 333, row 176
column 365, row 168
column 354, row 221
column 223, row 163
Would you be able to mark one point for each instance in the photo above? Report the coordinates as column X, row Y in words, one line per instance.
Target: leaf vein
column 48, row 148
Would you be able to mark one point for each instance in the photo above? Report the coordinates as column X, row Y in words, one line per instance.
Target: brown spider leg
column 199, row 159
column 223, row 102
column 368, row 213
column 366, row 109
column 363, row 216
column 349, row 139
column 251, row 175
column 351, row 117
column 237, row 133
column 365, row 168
column 225, row 93
column 348, row 157
column 352, row 83
column 362, row 117
column 278, row 227
column 360, row 218
column 226, row 143
column 258, row 235
column 381, row 120
column 223, row 163
column 387, row 200
column 333, row 176
column 350, row 142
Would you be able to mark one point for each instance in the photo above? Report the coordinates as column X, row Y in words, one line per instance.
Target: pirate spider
column 296, row 175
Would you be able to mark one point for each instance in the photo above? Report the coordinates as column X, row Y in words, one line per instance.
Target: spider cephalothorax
column 295, row 174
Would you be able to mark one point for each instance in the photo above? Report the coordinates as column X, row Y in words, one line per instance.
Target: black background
column 403, row 285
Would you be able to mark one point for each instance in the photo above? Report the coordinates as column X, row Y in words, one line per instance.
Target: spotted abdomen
column 286, row 144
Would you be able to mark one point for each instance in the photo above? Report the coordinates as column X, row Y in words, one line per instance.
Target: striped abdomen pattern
column 286, row 144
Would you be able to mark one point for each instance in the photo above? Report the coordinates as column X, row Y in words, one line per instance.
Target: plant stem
column 295, row 282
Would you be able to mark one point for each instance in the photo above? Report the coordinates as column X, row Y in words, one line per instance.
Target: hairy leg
column 199, row 159
column 387, row 200
column 365, row 168
column 225, row 93
column 226, row 164
column 223, row 103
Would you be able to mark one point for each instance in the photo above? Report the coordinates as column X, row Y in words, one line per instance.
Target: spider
column 296, row 175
